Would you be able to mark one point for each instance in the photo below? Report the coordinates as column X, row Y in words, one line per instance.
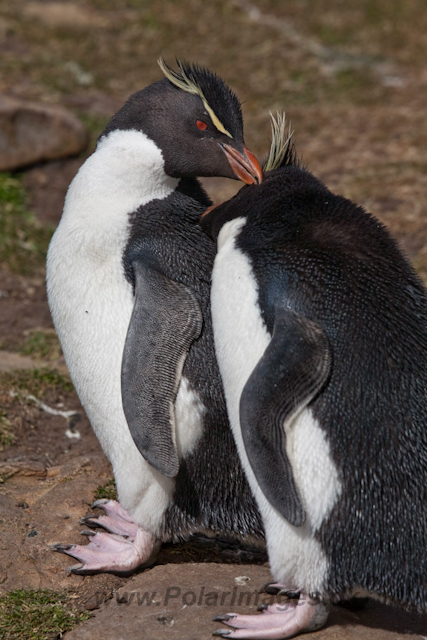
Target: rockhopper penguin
column 320, row 327
column 128, row 280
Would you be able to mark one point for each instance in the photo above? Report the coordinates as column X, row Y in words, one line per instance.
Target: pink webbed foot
column 116, row 519
column 121, row 551
column 276, row 622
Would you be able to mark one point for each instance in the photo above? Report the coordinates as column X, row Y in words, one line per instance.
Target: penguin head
column 282, row 154
column 195, row 120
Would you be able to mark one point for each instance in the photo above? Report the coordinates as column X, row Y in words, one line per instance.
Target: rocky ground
column 353, row 81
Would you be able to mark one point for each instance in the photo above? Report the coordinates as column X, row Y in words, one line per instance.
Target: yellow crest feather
column 279, row 141
column 188, row 83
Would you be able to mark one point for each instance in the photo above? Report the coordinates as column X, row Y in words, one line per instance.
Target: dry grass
column 34, row 382
column 351, row 76
column 23, row 240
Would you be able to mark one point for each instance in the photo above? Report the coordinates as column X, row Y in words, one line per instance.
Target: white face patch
column 91, row 302
column 241, row 339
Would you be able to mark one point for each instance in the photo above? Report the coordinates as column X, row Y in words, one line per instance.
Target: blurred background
column 350, row 74
column 352, row 78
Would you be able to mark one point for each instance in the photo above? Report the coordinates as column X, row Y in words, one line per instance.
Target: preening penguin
column 128, row 279
column 320, row 327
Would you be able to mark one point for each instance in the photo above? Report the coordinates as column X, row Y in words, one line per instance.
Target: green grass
column 35, row 381
column 107, row 491
column 7, row 437
column 37, row 615
column 43, row 344
column 23, row 240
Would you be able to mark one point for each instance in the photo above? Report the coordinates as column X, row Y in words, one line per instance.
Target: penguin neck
column 125, row 172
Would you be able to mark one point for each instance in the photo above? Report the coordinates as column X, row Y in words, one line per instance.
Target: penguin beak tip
column 257, row 171
column 245, row 165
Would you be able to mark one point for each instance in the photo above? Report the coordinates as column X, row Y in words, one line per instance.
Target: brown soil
column 23, row 307
column 353, row 81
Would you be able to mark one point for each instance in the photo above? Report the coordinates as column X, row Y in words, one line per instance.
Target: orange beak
column 246, row 167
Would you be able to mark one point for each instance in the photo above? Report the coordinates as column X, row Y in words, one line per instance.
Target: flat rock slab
column 40, row 506
column 10, row 361
column 175, row 601
column 179, row 601
column 32, row 132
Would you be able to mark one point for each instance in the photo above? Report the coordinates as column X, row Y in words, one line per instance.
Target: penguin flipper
column 166, row 318
column 290, row 373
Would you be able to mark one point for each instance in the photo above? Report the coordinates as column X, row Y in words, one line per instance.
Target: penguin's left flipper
column 291, row 372
column 166, row 319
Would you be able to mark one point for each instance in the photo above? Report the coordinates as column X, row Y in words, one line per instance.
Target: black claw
column 87, row 532
column 61, row 548
column 87, row 521
column 223, row 618
column 292, row 595
column 222, row 632
column 270, row 589
column 73, row 569
column 99, row 503
column 262, row 607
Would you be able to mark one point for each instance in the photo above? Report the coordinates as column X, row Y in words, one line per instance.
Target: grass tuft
column 43, row 344
column 107, row 491
column 23, row 240
column 35, row 381
column 7, row 437
column 37, row 615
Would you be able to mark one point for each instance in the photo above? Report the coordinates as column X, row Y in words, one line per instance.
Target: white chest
column 90, row 300
column 91, row 304
column 241, row 338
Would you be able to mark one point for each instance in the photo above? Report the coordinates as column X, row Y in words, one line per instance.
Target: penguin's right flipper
column 292, row 370
column 166, row 319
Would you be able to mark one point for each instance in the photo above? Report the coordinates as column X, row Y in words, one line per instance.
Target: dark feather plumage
column 203, row 82
column 337, row 265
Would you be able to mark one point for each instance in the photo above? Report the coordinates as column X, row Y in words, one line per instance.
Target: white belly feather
column 91, row 304
column 241, row 338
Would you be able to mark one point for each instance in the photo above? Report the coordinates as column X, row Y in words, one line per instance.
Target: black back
column 211, row 488
column 338, row 266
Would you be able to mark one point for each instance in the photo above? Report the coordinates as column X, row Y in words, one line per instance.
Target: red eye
column 201, row 125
